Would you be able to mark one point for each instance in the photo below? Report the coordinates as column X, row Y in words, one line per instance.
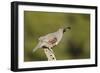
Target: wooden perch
column 50, row 54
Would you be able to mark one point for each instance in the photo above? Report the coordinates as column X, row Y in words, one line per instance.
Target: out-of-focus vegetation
column 75, row 43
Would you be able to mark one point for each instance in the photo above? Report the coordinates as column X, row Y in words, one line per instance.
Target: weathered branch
column 50, row 54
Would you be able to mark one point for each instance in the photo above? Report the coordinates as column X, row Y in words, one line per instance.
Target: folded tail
column 37, row 47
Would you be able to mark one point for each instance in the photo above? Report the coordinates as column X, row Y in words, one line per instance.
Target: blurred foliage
column 75, row 43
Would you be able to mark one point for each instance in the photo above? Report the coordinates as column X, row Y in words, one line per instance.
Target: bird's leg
column 48, row 48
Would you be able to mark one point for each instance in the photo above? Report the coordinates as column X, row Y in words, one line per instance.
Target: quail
column 52, row 39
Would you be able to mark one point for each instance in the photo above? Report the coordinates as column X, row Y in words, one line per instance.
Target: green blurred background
column 75, row 43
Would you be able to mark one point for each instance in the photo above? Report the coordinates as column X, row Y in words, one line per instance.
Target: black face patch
column 64, row 30
column 67, row 28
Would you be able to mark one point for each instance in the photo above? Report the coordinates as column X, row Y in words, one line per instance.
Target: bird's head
column 66, row 28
